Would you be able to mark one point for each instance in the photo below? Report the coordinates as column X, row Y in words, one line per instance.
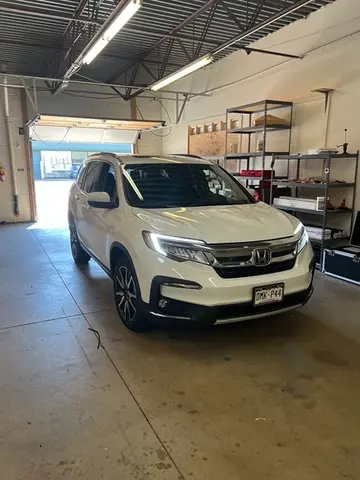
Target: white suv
column 183, row 240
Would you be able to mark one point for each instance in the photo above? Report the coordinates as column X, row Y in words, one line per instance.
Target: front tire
column 79, row 255
column 128, row 298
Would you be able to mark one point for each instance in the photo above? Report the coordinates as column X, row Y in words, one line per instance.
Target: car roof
column 141, row 159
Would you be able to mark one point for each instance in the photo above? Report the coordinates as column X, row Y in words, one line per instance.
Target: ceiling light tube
column 192, row 67
column 113, row 28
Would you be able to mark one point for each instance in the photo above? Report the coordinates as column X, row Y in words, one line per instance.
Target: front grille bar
column 243, row 256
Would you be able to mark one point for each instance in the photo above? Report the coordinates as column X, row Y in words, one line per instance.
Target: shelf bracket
column 326, row 92
column 179, row 113
column 327, row 99
column 249, row 50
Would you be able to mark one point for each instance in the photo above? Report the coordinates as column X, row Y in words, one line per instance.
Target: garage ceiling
column 44, row 37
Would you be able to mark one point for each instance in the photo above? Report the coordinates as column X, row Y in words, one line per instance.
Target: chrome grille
column 239, row 260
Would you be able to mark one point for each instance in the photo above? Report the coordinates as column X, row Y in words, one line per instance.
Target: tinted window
column 107, row 182
column 91, row 177
column 162, row 185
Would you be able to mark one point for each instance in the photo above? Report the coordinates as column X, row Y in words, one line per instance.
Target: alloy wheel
column 125, row 292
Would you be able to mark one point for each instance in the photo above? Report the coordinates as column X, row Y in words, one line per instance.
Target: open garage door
column 59, row 146
column 54, row 128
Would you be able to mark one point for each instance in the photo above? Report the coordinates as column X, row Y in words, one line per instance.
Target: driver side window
column 91, row 177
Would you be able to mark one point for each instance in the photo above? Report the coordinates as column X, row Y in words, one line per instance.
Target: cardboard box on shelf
column 270, row 120
column 303, row 203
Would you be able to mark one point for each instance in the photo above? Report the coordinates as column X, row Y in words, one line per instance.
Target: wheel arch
column 118, row 251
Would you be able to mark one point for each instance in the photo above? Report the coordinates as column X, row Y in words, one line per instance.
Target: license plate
column 268, row 294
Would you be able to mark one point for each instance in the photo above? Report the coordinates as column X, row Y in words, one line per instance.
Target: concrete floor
column 270, row 399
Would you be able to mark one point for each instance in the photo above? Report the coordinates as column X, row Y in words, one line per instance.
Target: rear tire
column 79, row 255
column 128, row 298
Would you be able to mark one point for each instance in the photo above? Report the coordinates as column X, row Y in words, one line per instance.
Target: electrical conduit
column 11, row 150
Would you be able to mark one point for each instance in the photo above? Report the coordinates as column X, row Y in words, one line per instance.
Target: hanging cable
column 50, row 143
column 167, row 113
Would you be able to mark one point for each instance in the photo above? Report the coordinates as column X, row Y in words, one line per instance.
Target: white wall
column 149, row 142
column 6, row 194
column 246, row 79
column 83, row 101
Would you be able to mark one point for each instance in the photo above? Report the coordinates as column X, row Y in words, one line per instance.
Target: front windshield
column 167, row 185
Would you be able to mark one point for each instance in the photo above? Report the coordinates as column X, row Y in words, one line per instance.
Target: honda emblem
column 262, row 257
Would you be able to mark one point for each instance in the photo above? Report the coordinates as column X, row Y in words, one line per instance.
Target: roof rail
column 104, row 153
column 186, row 155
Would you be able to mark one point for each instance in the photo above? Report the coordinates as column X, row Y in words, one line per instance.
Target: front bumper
column 214, row 291
column 176, row 310
column 170, row 307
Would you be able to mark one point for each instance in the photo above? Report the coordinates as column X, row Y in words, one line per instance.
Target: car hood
column 221, row 224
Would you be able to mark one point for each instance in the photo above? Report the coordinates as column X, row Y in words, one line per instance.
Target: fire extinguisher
column 2, row 174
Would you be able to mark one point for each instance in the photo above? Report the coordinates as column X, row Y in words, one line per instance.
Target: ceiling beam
column 78, row 13
column 178, row 36
column 73, row 32
column 255, row 14
column 53, row 48
column 146, row 68
column 281, row 13
column 206, row 27
column 9, row 7
column 244, row 34
column 99, row 84
column 174, row 31
column 231, row 15
column 183, row 48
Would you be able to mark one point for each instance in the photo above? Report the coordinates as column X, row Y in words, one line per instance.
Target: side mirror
column 251, row 191
column 100, row 200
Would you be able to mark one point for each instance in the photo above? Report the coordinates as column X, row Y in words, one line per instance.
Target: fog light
column 163, row 302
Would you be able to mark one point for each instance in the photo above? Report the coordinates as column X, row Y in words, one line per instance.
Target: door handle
column 76, row 197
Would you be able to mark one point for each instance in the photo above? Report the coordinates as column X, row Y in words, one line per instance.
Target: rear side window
column 91, row 176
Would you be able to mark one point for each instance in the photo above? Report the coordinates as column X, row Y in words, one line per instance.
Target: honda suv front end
column 227, row 282
column 183, row 240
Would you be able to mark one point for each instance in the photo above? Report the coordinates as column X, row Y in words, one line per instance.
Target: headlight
column 303, row 241
column 177, row 248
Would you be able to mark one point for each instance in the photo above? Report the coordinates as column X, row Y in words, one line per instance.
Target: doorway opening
column 61, row 143
column 55, row 168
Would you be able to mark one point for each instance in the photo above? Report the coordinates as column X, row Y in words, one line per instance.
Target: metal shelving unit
column 251, row 111
column 324, row 190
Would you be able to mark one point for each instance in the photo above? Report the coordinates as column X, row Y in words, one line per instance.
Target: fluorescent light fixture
column 114, row 27
column 192, row 67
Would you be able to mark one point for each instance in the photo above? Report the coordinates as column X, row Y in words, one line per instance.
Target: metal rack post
column 324, row 218
column 354, row 194
column 326, row 188
column 262, row 183
column 226, row 136
column 272, row 177
column 263, row 106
